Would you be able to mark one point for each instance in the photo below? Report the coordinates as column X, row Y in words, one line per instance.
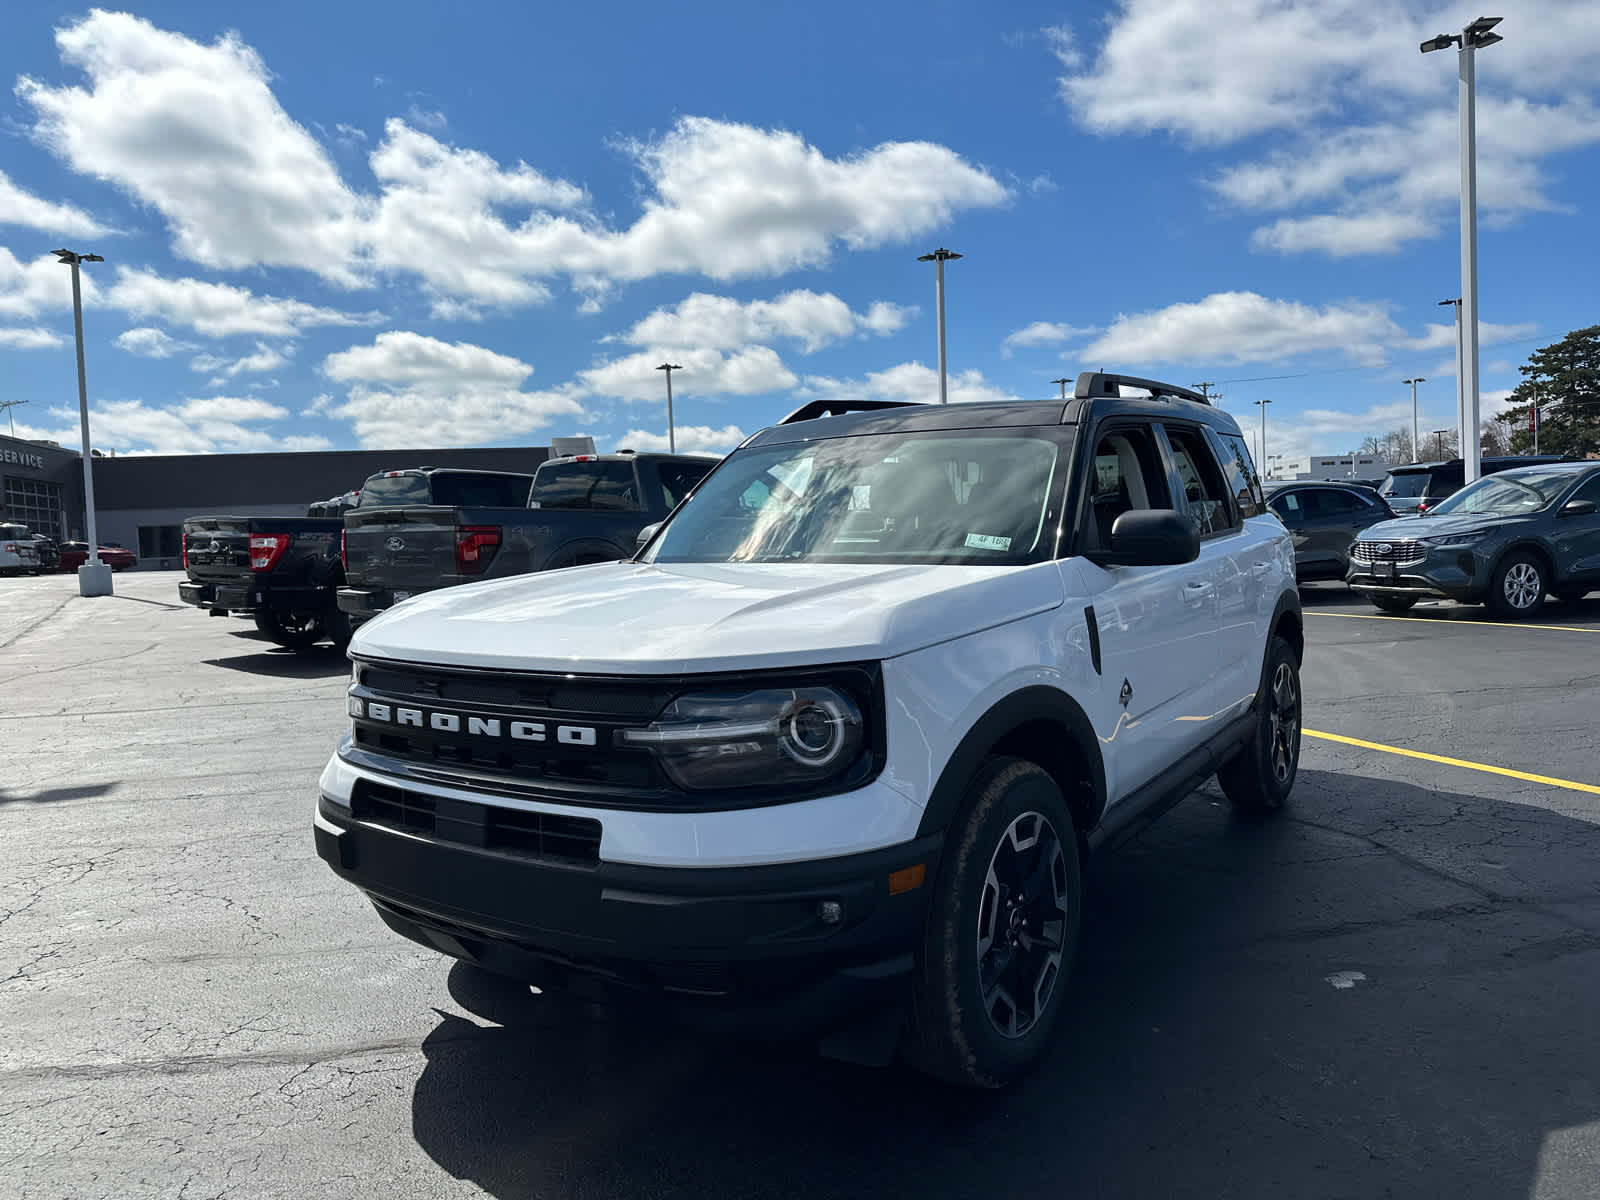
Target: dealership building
column 141, row 501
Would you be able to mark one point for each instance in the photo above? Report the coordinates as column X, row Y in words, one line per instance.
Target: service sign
column 21, row 459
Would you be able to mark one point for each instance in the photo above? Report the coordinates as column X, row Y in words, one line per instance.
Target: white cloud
column 692, row 439
column 1238, row 327
column 1357, row 124
column 19, row 207
column 721, row 323
column 28, row 339
column 910, row 382
column 203, row 425
column 1441, row 337
column 749, row 371
column 427, row 118
column 220, row 309
column 265, row 358
column 408, row 390
column 195, row 132
column 41, row 285
column 148, row 342
column 1043, row 333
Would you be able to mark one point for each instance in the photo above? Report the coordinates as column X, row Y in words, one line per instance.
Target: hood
column 1426, row 526
column 684, row 618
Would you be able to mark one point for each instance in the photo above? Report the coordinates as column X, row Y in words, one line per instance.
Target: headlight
column 1456, row 539
column 804, row 735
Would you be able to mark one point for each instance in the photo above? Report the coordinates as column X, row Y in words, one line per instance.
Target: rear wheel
column 290, row 630
column 1392, row 604
column 1001, row 932
column 1516, row 589
column 1260, row 776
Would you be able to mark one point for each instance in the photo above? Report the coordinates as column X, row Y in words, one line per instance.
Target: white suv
column 836, row 741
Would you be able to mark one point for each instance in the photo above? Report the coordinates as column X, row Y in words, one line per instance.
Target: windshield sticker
column 987, row 541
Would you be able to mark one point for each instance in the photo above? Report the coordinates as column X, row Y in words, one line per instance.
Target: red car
column 75, row 554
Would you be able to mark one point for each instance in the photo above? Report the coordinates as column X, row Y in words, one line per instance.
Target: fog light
column 830, row 912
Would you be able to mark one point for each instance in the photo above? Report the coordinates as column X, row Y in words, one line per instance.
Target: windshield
column 1507, row 494
column 946, row 497
column 1412, row 483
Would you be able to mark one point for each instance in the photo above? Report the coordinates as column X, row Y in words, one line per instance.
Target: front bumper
column 741, row 949
column 1449, row 573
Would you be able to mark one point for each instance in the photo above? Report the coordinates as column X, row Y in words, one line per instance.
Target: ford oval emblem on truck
column 396, row 543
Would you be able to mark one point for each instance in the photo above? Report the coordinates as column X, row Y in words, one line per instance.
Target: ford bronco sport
column 837, row 740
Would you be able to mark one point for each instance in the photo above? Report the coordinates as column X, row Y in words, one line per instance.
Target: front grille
column 551, row 837
column 1400, row 551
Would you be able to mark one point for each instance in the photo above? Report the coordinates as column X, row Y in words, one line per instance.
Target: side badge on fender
column 1126, row 693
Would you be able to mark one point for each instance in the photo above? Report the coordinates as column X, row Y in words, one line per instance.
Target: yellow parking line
column 1317, row 612
column 1456, row 762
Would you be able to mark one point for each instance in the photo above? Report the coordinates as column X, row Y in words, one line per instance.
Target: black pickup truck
column 282, row 571
column 588, row 508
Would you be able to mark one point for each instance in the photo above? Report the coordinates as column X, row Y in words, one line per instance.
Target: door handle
column 1196, row 592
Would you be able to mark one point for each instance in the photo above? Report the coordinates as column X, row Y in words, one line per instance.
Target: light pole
column 1461, row 394
column 1438, row 442
column 941, row 256
column 1416, row 445
column 94, row 577
column 672, row 435
column 1262, row 404
column 1063, row 383
column 1474, row 37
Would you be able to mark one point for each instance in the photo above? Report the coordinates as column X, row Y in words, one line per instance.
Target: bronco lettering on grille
column 442, row 721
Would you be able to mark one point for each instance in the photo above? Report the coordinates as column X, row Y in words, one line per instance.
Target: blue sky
column 340, row 225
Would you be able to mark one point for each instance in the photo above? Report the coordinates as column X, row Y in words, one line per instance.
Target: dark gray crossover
column 1507, row 541
column 1323, row 518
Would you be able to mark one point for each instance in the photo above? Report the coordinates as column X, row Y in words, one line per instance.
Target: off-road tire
column 294, row 633
column 953, row 1032
column 1260, row 776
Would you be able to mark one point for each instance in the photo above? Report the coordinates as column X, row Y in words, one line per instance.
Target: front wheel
column 1001, row 933
column 1259, row 777
column 1517, row 588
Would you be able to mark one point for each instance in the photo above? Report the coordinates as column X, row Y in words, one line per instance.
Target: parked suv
column 1505, row 541
column 1417, row 487
column 18, row 553
column 833, row 745
column 1323, row 519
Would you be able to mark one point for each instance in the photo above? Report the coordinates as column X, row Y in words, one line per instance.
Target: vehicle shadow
column 319, row 662
column 46, row 795
column 1386, row 991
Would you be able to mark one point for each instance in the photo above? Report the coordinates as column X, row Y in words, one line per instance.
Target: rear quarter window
column 1240, row 472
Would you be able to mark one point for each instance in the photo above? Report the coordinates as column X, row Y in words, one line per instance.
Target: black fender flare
column 1030, row 704
column 567, row 554
column 1288, row 603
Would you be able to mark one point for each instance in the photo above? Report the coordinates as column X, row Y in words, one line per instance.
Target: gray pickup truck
column 423, row 529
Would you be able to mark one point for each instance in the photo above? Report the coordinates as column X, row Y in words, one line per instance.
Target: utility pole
column 1063, row 382
column 1438, row 442
column 940, row 257
column 1204, row 389
column 94, row 577
column 672, row 436
column 8, row 405
column 1416, row 445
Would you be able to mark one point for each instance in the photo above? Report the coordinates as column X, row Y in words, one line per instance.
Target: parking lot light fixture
column 1476, row 36
column 672, row 436
column 1262, row 404
column 941, row 256
column 1063, row 383
column 94, row 577
column 1416, row 446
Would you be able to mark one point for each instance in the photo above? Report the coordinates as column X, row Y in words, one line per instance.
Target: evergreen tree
column 1564, row 380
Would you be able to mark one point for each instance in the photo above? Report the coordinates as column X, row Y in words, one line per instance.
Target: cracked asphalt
column 1391, row 990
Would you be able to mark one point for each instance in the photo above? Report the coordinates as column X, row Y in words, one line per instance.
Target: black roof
column 923, row 418
column 1515, row 460
column 1349, row 485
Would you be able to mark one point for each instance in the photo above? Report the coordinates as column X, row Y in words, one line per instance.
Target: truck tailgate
column 403, row 549
column 218, row 549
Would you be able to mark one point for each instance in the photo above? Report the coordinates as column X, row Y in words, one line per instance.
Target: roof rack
column 837, row 408
column 1097, row 383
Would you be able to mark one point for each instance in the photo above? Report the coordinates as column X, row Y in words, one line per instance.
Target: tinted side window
column 594, row 485
column 1332, row 505
column 677, row 479
column 1286, row 505
column 1589, row 491
column 1240, row 471
column 1205, row 496
column 1127, row 475
column 407, row 487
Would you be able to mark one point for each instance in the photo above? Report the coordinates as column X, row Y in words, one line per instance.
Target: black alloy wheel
column 1022, row 923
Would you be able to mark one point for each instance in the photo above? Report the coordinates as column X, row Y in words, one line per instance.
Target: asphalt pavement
column 1389, row 990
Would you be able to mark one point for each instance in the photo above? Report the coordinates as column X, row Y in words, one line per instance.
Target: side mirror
column 645, row 534
column 1577, row 508
column 1150, row 537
